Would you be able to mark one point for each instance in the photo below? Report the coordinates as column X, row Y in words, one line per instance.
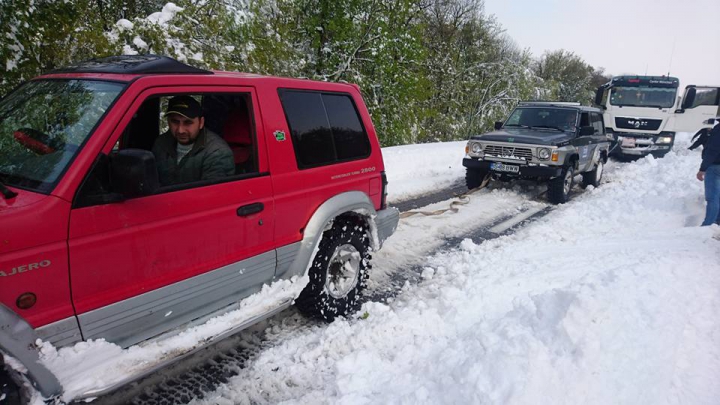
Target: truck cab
column 638, row 113
column 644, row 113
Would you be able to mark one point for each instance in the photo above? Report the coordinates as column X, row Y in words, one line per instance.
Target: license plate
column 504, row 168
column 628, row 142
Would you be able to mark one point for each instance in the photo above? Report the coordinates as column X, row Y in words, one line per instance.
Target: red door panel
column 121, row 250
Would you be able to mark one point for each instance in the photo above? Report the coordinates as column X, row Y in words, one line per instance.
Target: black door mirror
column 599, row 96
column 498, row 124
column 585, row 131
column 689, row 98
column 133, row 173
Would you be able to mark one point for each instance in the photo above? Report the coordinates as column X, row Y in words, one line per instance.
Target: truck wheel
column 559, row 187
column 338, row 273
column 474, row 178
column 9, row 391
column 594, row 176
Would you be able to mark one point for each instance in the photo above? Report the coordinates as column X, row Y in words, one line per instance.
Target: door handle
column 250, row 209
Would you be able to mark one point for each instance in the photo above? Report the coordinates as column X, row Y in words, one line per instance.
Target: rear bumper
column 386, row 222
column 525, row 171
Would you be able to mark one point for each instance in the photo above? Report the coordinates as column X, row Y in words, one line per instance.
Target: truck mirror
column 498, row 124
column 585, row 131
column 599, row 95
column 689, row 98
column 133, row 173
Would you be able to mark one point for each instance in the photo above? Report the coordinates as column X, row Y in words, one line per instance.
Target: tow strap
column 454, row 207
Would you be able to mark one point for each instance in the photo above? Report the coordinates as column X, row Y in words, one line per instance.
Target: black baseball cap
column 184, row 105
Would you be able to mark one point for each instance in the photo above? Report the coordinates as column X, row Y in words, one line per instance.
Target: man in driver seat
column 569, row 122
column 188, row 151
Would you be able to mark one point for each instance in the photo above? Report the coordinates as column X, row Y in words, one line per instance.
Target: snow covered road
column 611, row 298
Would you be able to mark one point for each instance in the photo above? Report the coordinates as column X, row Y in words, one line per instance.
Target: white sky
column 623, row 36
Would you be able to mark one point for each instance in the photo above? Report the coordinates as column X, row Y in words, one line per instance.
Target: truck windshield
column 658, row 97
column 558, row 119
column 43, row 125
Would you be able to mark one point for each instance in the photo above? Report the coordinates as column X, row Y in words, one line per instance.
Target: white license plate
column 504, row 168
column 628, row 142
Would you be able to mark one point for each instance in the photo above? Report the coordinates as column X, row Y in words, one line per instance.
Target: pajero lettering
column 24, row 268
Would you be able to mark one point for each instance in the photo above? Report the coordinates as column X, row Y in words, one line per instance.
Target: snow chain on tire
column 342, row 247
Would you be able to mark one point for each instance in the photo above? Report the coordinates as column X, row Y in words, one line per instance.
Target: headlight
column 544, row 153
column 476, row 148
column 664, row 139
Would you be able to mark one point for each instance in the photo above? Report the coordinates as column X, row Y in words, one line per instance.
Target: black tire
column 9, row 390
column 327, row 298
column 474, row 178
column 594, row 176
column 559, row 188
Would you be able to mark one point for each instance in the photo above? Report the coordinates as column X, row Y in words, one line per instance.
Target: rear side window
column 325, row 128
column 597, row 123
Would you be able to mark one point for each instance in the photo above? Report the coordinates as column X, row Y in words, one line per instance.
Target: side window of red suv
column 325, row 127
column 226, row 145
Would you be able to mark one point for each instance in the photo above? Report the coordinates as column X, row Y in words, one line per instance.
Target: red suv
column 94, row 244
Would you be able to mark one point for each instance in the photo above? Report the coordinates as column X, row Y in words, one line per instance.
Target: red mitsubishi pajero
column 92, row 245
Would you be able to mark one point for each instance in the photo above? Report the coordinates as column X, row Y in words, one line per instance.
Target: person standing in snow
column 710, row 174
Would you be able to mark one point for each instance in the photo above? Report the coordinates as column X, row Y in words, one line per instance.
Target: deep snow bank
column 611, row 298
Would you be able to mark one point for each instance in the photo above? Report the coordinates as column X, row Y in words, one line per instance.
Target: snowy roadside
column 413, row 170
column 609, row 299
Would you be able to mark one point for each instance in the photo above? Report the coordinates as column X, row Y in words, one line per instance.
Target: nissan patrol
column 547, row 141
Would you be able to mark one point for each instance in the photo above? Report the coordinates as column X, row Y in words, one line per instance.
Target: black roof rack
column 132, row 64
column 552, row 103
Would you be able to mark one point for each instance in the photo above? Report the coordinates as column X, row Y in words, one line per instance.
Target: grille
column 637, row 123
column 508, row 152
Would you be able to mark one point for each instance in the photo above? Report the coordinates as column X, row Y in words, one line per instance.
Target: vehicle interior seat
column 236, row 132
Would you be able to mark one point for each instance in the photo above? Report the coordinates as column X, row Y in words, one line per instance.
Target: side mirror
column 498, row 124
column 133, row 173
column 585, row 131
column 599, row 95
column 689, row 98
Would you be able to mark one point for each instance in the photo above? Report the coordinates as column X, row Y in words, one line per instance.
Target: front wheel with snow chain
column 594, row 176
column 339, row 272
column 559, row 187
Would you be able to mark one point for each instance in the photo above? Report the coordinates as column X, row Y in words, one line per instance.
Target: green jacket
column 209, row 159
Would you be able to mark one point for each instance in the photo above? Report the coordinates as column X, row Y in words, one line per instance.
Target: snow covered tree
column 429, row 70
column 566, row 76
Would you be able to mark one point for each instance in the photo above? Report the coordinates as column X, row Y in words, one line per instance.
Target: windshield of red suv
column 43, row 125
column 558, row 119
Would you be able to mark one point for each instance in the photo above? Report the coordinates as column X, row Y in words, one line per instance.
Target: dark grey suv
column 547, row 141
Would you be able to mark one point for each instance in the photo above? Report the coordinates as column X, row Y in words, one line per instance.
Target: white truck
column 643, row 113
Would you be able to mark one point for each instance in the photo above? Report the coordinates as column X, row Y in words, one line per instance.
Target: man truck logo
column 637, row 123
column 25, row 267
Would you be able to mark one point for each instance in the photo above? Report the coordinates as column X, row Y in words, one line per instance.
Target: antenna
column 646, row 68
column 672, row 52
